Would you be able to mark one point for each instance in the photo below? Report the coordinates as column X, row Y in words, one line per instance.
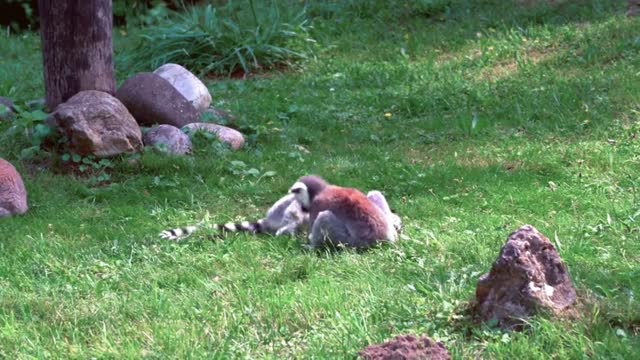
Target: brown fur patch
column 350, row 204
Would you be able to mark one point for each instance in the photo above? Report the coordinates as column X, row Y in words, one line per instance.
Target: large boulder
column 6, row 109
column 187, row 84
column 96, row 123
column 153, row 100
column 406, row 347
column 226, row 135
column 13, row 195
column 527, row 276
column 168, row 138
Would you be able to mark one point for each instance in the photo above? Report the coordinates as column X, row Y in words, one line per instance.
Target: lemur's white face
column 301, row 194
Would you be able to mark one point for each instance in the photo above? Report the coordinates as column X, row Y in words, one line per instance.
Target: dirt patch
column 509, row 68
column 406, row 347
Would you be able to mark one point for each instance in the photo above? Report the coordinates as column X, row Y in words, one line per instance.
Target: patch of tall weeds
column 244, row 36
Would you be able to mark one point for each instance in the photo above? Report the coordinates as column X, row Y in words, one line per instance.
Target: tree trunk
column 77, row 47
column 633, row 7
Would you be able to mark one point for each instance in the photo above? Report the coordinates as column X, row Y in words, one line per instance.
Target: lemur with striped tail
column 287, row 216
column 342, row 216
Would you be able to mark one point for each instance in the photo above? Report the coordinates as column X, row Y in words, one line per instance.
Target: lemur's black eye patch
column 296, row 190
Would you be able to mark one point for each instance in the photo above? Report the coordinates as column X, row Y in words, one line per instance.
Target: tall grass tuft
column 226, row 39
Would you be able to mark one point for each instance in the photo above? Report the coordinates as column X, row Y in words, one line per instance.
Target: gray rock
column 226, row 135
column 97, row 123
column 187, row 84
column 13, row 195
column 528, row 275
column 169, row 138
column 7, row 111
column 153, row 100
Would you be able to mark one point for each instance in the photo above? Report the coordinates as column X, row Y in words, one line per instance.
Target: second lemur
column 344, row 216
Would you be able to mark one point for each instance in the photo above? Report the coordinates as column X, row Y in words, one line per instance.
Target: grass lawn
column 388, row 104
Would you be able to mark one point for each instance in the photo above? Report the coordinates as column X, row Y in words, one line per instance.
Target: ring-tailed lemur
column 285, row 217
column 344, row 216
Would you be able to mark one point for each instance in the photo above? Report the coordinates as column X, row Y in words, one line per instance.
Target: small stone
column 97, row 123
column 13, row 195
column 7, row 111
column 169, row 138
column 226, row 135
column 407, row 347
column 187, row 84
column 527, row 275
column 153, row 100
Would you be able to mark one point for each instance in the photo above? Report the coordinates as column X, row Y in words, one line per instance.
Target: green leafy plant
column 96, row 169
column 30, row 125
column 226, row 39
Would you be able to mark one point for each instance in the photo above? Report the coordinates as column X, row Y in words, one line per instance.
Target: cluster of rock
column 160, row 110
column 170, row 100
column 527, row 277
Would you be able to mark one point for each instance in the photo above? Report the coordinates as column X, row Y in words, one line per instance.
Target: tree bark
column 77, row 48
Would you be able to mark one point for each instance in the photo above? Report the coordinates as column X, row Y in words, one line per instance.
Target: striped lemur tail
column 285, row 217
column 244, row 226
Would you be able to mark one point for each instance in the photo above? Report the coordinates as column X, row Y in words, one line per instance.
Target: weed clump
column 226, row 40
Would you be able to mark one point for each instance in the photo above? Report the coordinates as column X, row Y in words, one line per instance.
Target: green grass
column 555, row 94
